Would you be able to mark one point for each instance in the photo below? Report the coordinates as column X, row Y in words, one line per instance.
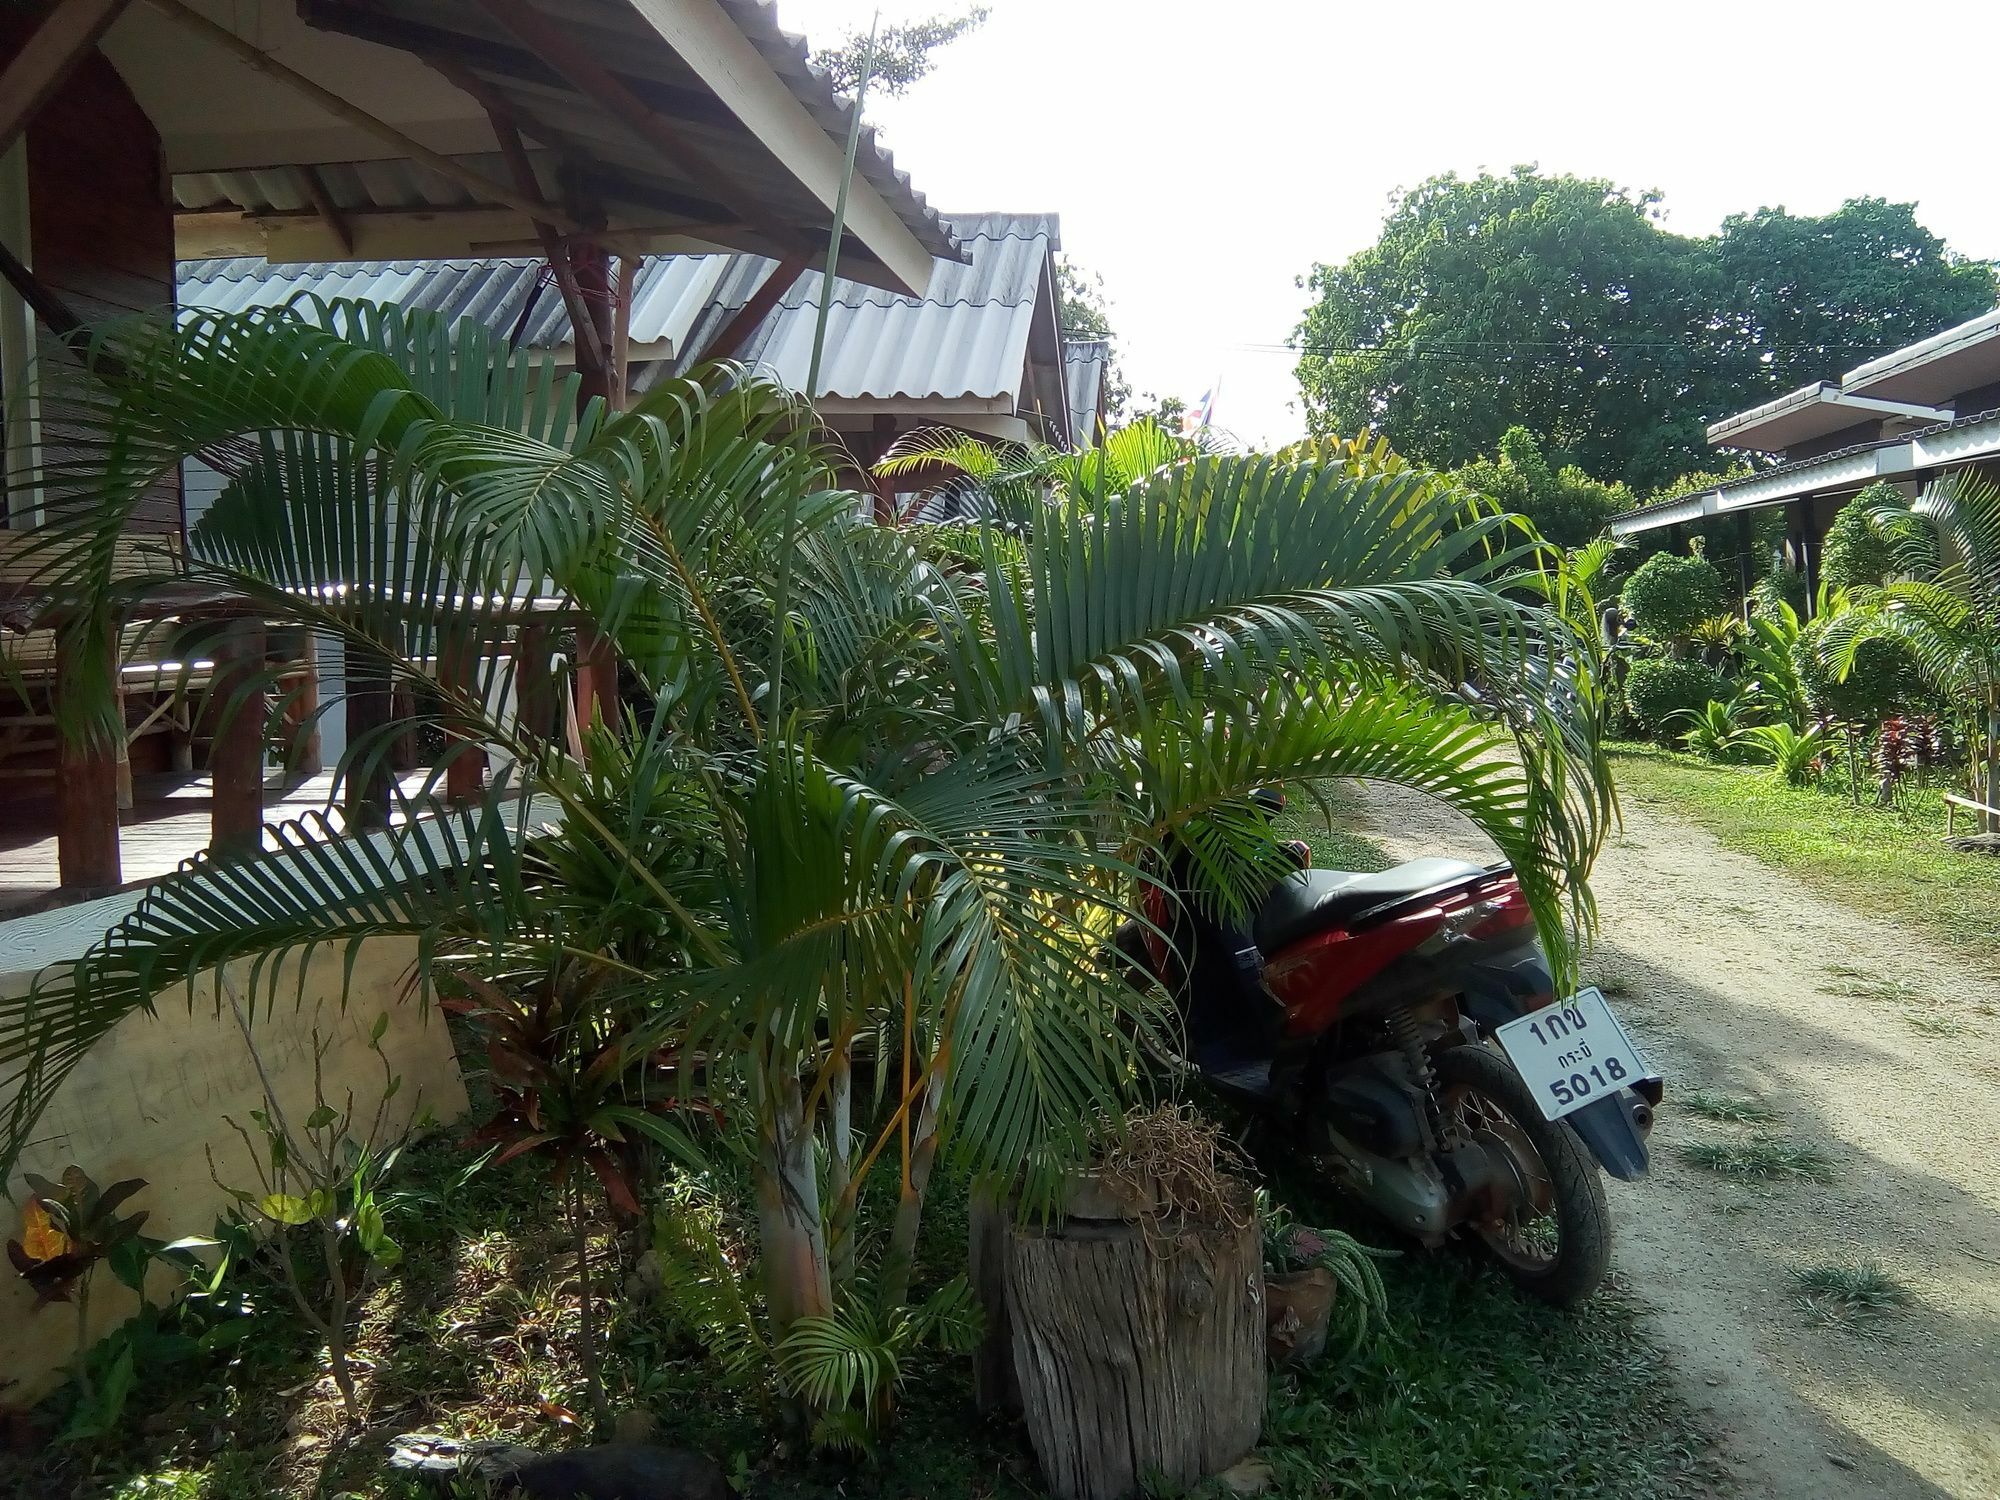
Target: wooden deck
column 169, row 822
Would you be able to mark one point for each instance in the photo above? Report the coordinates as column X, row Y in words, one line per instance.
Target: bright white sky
column 1203, row 156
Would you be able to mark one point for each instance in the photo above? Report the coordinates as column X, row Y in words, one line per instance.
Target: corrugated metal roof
column 1084, row 363
column 957, row 351
column 966, row 340
column 1665, row 512
column 727, row 186
column 671, row 291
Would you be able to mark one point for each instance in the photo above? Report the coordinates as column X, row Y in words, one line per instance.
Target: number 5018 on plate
column 1573, row 1053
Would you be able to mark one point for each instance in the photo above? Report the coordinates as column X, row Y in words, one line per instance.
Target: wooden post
column 591, row 266
column 236, row 757
column 304, row 711
column 885, row 488
column 86, row 796
column 369, row 779
column 458, row 672
column 534, row 680
column 126, row 801
column 596, row 678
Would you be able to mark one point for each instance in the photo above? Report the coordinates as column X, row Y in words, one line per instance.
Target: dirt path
column 1873, row 1048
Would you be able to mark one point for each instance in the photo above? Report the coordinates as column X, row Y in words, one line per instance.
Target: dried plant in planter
column 1137, row 1334
column 1169, row 1167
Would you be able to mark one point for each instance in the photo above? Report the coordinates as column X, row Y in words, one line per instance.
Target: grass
column 1759, row 1160
column 1337, row 848
column 1733, row 1108
column 1879, row 860
column 1852, row 1296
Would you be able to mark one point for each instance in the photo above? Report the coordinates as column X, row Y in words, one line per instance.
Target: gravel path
column 1875, row 1049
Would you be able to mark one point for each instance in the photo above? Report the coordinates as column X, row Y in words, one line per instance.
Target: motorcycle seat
column 1314, row 900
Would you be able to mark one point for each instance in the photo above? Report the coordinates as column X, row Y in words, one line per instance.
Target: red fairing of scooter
column 1315, row 977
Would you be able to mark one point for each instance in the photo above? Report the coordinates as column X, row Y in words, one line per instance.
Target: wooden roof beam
column 65, row 37
column 591, row 77
column 730, row 338
column 326, row 208
column 445, row 166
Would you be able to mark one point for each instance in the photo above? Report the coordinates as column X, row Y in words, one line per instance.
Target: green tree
column 1081, row 314
column 1567, row 506
column 1557, row 304
column 867, row 785
column 1812, row 296
column 1561, row 305
column 903, row 52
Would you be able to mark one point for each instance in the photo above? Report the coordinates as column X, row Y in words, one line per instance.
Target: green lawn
column 1875, row 859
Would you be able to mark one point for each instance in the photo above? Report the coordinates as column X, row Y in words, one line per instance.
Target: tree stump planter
column 1138, row 1350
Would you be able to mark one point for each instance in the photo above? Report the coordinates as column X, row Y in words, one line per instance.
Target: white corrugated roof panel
column 966, row 340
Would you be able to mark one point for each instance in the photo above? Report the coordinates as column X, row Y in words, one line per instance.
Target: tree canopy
column 1566, row 505
column 1562, row 305
column 1081, row 314
column 902, row 52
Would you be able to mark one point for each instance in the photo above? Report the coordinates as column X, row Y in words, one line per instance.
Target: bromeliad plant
column 848, row 842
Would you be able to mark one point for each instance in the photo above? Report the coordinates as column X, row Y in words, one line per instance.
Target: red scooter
column 1401, row 1031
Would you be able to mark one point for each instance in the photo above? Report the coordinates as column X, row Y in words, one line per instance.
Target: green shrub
column 1793, row 755
column 1670, row 595
column 1658, row 690
column 1783, row 585
column 1855, row 552
column 1881, row 684
column 1715, row 730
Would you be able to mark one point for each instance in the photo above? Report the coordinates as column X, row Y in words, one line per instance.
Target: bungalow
column 1909, row 417
column 135, row 133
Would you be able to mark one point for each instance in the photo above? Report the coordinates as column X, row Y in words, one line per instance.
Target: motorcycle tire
column 1582, row 1254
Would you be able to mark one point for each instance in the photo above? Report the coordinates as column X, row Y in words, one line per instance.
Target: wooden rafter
column 445, row 166
column 730, row 338
column 326, row 208
column 515, row 153
column 587, row 74
column 67, row 33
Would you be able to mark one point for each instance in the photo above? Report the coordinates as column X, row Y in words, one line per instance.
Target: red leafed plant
column 570, row 1084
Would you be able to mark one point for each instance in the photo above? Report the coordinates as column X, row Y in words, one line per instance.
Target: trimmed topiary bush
column 1882, row 684
column 1657, row 690
column 1669, row 595
column 1855, row 553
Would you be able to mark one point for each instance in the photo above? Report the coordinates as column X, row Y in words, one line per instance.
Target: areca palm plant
column 1943, row 605
column 900, row 879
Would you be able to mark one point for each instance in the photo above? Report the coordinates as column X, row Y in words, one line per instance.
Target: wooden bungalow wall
column 101, row 221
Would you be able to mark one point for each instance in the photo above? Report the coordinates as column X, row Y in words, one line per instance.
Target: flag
column 1201, row 414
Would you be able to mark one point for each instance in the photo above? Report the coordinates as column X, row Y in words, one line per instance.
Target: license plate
column 1574, row 1053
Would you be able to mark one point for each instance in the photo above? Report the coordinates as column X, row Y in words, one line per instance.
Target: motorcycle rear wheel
column 1555, row 1243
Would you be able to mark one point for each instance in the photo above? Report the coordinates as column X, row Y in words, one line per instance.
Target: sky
column 1203, row 157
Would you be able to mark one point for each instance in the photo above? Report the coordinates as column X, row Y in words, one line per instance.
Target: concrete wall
column 149, row 1101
